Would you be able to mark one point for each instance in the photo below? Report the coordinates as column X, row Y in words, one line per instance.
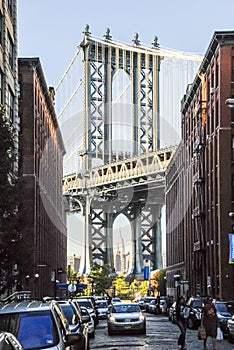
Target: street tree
column 101, row 277
column 13, row 246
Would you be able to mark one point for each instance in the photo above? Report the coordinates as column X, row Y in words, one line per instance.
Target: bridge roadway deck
column 143, row 169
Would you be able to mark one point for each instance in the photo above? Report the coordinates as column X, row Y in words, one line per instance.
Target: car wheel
column 190, row 323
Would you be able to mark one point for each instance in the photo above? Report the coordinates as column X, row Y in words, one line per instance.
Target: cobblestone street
column 161, row 335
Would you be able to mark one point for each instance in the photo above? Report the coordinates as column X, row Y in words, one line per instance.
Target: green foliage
column 142, row 290
column 122, row 289
column 102, row 277
column 160, row 281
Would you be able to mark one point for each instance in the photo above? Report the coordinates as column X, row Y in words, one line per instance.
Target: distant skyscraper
column 75, row 263
column 118, row 261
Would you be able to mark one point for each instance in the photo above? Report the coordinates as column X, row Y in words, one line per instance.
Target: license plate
column 127, row 326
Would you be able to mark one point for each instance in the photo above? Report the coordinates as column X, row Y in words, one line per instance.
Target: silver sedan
column 125, row 317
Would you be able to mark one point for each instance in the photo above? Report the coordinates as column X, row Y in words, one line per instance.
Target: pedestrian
column 210, row 322
column 182, row 313
column 109, row 299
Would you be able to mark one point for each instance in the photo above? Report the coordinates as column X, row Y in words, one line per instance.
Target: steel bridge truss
column 133, row 187
column 102, row 59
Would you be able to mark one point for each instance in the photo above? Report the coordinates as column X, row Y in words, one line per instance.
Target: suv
column 88, row 304
column 94, row 304
column 223, row 315
column 37, row 325
column 77, row 322
column 195, row 312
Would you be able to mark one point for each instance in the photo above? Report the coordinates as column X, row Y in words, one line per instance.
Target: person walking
column 182, row 313
column 210, row 322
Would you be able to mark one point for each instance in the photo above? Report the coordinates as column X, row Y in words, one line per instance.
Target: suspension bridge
column 118, row 110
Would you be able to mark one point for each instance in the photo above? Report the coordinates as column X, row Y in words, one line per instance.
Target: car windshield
column 125, row 308
column 85, row 303
column 102, row 305
column 33, row 330
column 221, row 307
column 69, row 314
column 197, row 304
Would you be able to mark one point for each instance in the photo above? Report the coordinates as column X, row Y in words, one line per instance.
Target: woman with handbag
column 210, row 322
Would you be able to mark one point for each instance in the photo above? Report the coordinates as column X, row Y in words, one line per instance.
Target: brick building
column 42, row 151
column 8, row 65
column 199, row 180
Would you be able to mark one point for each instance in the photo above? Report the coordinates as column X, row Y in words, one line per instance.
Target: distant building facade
column 42, row 151
column 200, row 181
column 74, row 262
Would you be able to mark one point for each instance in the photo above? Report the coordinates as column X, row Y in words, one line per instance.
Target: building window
column 10, row 51
column 1, row 29
column 232, row 188
column 232, row 147
column 1, row 88
column 11, row 105
column 10, row 7
column 232, row 68
column 217, row 75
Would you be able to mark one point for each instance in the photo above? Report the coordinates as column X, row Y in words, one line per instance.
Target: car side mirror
column 86, row 318
column 72, row 339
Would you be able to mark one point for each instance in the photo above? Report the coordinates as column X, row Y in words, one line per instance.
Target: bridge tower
column 102, row 60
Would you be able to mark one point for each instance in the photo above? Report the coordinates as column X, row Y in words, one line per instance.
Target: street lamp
column 230, row 102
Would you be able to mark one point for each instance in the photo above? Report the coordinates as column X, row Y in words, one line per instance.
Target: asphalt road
column 161, row 335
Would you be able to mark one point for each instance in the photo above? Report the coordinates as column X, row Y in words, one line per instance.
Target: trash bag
column 219, row 334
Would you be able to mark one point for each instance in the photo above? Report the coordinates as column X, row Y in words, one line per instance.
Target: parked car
column 195, row 312
column 172, row 313
column 88, row 304
column 94, row 304
column 9, row 342
column 147, row 301
column 230, row 306
column 140, row 302
column 163, row 306
column 223, row 315
column 152, row 307
column 77, row 323
column 115, row 300
column 37, row 325
column 230, row 329
column 124, row 317
column 102, row 307
column 91, row 325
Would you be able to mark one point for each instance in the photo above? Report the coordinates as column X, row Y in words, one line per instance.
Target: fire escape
column 198, row 196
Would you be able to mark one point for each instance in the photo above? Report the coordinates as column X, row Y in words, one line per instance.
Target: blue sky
column 51, row 29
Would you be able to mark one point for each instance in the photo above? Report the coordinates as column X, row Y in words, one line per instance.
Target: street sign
column 64, row 286
column 71, row 288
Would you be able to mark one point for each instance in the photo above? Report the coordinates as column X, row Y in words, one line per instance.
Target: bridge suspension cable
column 154, row 50
column 67, row 70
